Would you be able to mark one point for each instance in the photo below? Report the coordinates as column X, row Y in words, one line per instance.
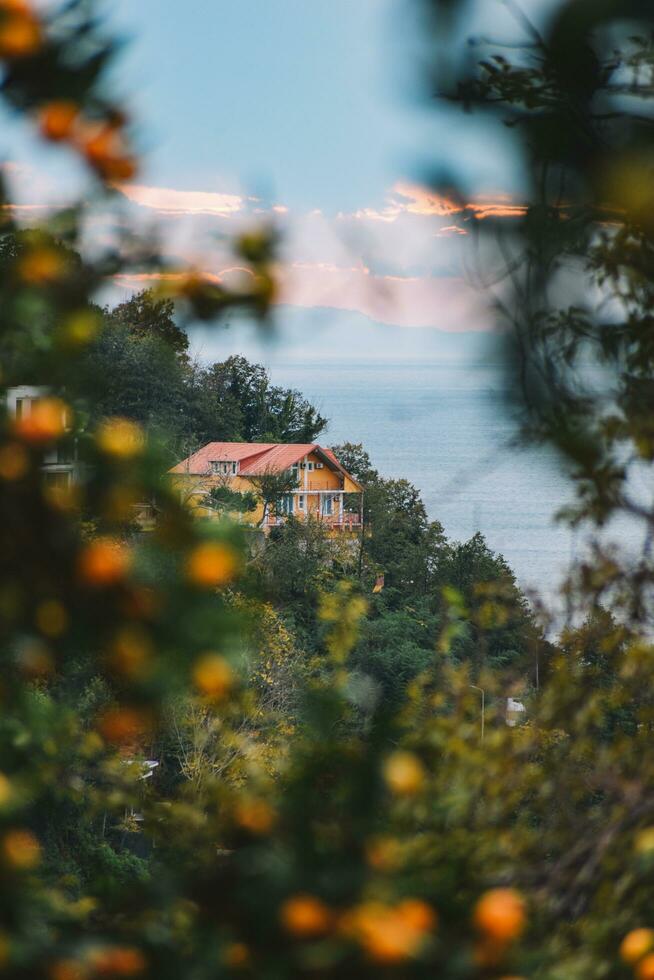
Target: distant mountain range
column 336, row 335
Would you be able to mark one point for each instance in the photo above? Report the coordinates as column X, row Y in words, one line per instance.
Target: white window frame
column 300, row 501
column 326, row 505
column 224, row 467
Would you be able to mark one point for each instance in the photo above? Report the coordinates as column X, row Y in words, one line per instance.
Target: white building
column 61, row 466
column 515, row 712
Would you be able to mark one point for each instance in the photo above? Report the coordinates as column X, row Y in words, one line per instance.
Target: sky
column 311, row 115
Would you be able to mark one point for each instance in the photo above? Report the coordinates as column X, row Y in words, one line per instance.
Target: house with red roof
column 318, row 487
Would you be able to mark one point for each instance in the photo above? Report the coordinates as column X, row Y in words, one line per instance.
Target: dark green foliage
column 271, row 488
column 140, row 370
column 225, row 499
column 138, row 377
column 429, row 582
column 400, row 540
column 501, row 631
column 395, row 645
column 146, row 316
column 299, row 561
column 267, row 413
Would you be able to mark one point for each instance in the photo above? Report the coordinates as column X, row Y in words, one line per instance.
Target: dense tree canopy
column 138, row 367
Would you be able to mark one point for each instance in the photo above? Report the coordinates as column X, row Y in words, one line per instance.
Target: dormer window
column 224, row 467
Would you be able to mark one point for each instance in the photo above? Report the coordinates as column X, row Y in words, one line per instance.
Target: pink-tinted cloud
column 20, row 208
column 166, row 200
column 399, row 263
column 407, row 301
column 448, row 303
column 422, row 202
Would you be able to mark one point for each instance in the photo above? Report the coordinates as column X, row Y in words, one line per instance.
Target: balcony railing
column 343, row 521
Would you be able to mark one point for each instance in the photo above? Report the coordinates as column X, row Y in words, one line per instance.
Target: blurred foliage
column 223, row 758
column 567, row 267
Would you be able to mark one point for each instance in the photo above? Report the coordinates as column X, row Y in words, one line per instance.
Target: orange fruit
column 213, row 676
column 45, row 423
column 103, row 562
column 645, row 969
column 120, row 437
column 119, row 961
column 500, row 914
column 124, row 725
column 14, row 461
column 404, row 773
column 68, row 970
column 211, row 564
column 21, row 850
column 20, row 32
column 236, row 955
column 99, row 141
column 391, row 934
column 15, row 7
column 254, row 815
column 635, row 944
column 383, row 853
column 119, row 169
column 417, row 914
column 105, row 148
column 305, row 916
column 57, row 119
column 40, row 266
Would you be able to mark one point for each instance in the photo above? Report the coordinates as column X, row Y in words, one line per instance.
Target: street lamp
column 483, row 707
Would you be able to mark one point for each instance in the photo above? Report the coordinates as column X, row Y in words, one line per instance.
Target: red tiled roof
column 279, row 457
column 198, row 463
column 254, row 457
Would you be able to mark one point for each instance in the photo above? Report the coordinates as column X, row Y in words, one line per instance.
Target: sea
column 448, row 429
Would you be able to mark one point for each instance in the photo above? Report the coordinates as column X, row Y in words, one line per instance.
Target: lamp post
column 483, row 707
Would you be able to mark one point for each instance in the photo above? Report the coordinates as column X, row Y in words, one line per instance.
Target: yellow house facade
column 323, row 488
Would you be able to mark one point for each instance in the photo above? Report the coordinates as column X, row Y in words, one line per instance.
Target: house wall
column 193, row 488
column 60, row 464
column 26, row 394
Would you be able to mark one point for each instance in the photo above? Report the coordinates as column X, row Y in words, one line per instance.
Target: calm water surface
column 446, row 428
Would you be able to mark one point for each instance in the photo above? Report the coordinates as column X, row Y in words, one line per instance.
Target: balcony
column 341, row 522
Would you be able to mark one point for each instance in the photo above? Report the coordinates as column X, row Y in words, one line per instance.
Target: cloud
column 419, row 201
column 400, row 262
column 166, row 200
column 26, row 208
column 448, row 303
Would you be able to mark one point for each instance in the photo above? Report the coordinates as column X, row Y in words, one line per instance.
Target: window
column 309, row 466
column 20, row 407
column 300, row 502
column 224, row 467
column 58, row 480
column 286, row 504
column 327, row 506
